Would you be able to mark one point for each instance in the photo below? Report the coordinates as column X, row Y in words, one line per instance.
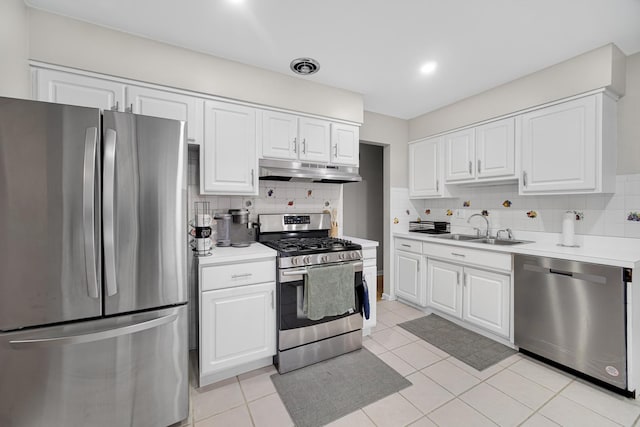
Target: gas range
column 303, row 240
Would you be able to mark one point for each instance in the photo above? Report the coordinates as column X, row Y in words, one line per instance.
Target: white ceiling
column 376, row 47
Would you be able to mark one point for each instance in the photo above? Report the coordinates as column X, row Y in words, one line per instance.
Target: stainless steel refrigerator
column 93, row 288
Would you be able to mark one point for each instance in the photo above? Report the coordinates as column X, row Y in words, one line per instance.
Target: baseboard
column 387, row 297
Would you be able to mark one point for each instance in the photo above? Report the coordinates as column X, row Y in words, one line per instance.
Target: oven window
column 289, row 302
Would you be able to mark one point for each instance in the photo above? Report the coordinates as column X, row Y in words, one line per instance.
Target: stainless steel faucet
column 486, row 233
column 508, row 231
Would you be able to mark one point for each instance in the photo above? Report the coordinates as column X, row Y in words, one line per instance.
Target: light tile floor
column 445, row 391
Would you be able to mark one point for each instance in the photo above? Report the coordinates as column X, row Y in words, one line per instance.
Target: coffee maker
column 241, row 232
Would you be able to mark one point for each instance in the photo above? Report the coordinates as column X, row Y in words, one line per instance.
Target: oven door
column 291, row 296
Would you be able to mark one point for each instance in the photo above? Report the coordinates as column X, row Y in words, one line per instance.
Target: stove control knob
column 354, row 255
column 324, row 258
column 307, row 259
column 342, row 255
column 295, row 260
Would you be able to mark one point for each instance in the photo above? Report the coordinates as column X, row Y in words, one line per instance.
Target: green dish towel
column 328, row 291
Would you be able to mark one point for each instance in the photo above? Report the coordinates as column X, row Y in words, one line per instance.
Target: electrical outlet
column 460, row 214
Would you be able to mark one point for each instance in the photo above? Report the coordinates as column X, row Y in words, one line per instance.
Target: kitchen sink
column 499, row 242
column 462, row 237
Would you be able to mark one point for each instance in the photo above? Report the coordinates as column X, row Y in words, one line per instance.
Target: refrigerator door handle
column 108, row 214
column 88, row 210
column 94, row 336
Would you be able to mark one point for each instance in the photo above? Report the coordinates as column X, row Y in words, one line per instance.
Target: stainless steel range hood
column 288, row 170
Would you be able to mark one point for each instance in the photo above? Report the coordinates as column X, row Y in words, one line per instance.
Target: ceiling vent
column 305, row 66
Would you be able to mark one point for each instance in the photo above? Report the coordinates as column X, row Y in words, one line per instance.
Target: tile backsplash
column 274, row 196
column 615, row 215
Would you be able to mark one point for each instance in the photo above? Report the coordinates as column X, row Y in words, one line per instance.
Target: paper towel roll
column 568, row 229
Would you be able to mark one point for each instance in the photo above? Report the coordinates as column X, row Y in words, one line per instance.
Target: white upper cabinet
column 228, row 158
column 569, row 147
column 279, row 135
column 345, row 144
column 315, row 140
column 484, row 152
column 459, row 148
column 495, row 149
column 75, row 89
column 425, row 171
column 168, row 105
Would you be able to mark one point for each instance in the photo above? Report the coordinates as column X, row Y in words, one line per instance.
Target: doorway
column 363, row 204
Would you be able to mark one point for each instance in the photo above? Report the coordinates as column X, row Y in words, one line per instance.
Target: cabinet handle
column 405, row 245
column 295, row 145
column 437, row 185
column 335, row 151
column 239, row 276
column 464, row 279
column 418, row 266
column 524, row 178
column 470, row 166
column 457, row 254
column 116, row 107
column 458, row 277
column 479, row 165
column 191, row 139
column 129, row 109
column 272, row 303
column 304, row 146
column 253, row 177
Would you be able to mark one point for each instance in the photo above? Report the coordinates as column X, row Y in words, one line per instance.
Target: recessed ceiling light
column 304, row 66
column 428, row 67
column 236, row 1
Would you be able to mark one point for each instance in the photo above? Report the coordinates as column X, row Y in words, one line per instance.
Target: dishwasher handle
column 563, row 273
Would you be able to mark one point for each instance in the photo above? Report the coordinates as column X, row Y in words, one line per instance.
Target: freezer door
column 49, row 213
column 121, row 371
column 144, row 212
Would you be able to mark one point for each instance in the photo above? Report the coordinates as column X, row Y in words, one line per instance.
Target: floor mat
column 321, row 393
column 467, row 346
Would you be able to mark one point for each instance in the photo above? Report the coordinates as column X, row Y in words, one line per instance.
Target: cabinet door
column 345, row 144
column 228, row 160
column 168, row 105
column 280, row 135
column 314, row 140
column 75, row 89
column 371, row 276
column 559, row 146
column 495, row 149
column 487, row 300
column 444, row 287
column 459, row 155
column 238, row 325
column 409, row 285
column 424, row 168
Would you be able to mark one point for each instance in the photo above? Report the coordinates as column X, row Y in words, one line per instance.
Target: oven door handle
column 301, row 271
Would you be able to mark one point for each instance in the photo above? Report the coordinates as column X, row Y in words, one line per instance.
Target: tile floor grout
column 423, row 416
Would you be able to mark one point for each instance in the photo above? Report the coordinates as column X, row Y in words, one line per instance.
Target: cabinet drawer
column 488, row 259
column 232, row 275
column 407, row 245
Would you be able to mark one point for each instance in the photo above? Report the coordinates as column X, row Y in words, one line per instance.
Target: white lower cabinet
column 370, row 274
column 444, row 288
column 238, row 326
column 476, row 296
column 408, row 277
column 487, row 300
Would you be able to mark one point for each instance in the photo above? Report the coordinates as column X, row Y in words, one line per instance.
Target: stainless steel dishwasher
column 573, row 313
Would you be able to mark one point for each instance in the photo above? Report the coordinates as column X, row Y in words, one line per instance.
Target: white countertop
column 230, row 254
column 362, row 242
column 615, row 251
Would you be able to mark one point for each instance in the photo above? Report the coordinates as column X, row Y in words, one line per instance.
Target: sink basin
column 456, row 237
column 499, row 242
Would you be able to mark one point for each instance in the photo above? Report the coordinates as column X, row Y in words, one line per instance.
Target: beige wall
column 383, row 129
column 629, row 120
column 14, row 47
column 63, row 41
column 602, row 67
column 393, row 133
